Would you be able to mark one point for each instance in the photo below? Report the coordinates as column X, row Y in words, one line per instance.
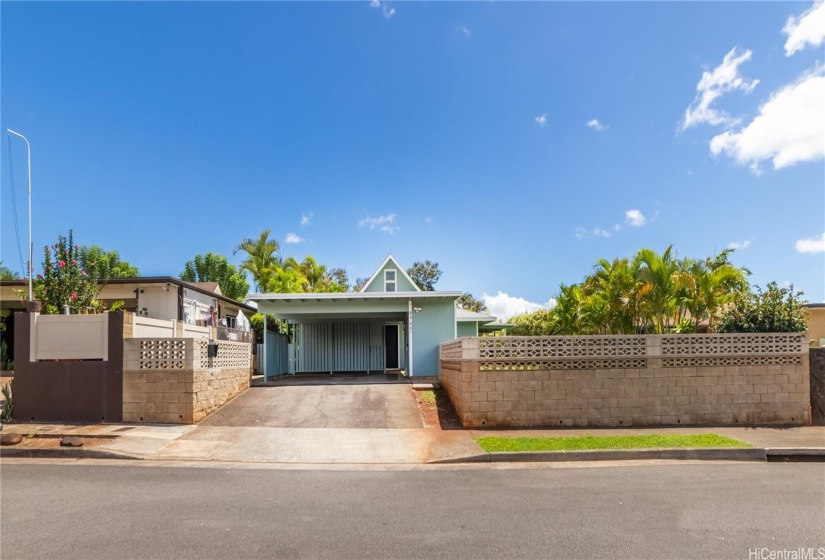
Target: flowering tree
column 64, row 281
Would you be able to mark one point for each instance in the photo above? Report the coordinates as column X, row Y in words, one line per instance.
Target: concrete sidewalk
column 267, row 444
column 358, row 445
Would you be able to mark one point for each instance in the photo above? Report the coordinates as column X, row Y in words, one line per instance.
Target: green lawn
column 653, row 441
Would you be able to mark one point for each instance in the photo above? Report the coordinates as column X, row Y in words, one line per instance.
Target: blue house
column 391, row 325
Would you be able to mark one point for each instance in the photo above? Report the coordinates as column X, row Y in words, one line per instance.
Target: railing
column 69, row 337
column 620, row 351
column 235, row 335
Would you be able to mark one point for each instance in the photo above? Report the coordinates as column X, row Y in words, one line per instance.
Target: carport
column 357, row 332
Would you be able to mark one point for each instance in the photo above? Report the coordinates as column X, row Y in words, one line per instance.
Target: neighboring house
column 471, row 323
column 157, row 297
column 390, row 325
column 816, row 323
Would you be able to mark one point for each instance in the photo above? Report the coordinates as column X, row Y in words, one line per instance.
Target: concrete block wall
column 158, row 396
column 212, row 388
column 179, row 397
column 629, row 396
column 172, row 381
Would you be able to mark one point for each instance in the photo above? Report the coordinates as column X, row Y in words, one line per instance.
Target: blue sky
column 456, row 132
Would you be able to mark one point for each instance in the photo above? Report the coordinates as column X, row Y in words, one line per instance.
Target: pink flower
column 73, row 297
column 74, row 261
column 62, row 264
column 40, row 277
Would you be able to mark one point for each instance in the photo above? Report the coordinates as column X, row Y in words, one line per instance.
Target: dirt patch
column 436, row 409
column 52, row 442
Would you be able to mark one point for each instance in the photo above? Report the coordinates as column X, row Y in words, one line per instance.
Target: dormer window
column 389, row 280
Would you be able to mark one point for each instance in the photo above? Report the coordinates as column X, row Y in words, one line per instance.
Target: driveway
column 323, row 401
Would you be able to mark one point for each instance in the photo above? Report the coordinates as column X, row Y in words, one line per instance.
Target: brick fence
column 628, row 380
column 174, row 381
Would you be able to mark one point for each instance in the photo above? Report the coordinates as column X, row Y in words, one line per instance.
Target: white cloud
column 505, row 306
column 383, row 223
column 541, row 119
column 812, row 245
column 463, row 30
column 635, row 218
column 293, row 238
column 789, row 129
column 580, row 232
column 306, row 218
column 599, row 232
column 384, row 7
column 806, row 29
column 736, row 245
column 723, row 79
column 596, row 125
column 428, row 220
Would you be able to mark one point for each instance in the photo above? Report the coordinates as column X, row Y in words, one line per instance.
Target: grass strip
column 578, row 443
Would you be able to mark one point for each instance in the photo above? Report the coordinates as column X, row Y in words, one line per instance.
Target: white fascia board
column 351, row 296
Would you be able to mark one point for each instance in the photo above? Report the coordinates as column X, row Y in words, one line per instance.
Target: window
column 230, row 321
column 389, row 280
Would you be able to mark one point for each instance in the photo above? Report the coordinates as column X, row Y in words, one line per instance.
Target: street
column 645, row 510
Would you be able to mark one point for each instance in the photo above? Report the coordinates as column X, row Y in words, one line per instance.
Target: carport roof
column 306, row 304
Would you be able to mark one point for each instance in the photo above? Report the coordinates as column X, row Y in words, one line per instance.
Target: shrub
column 773, row 310
column 64, row 281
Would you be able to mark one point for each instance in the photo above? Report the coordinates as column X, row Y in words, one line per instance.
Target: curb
column 796, row 454
column 64, row 453
column 712, row 454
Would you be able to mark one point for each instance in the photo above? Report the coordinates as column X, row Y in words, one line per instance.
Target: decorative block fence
column 175, row 381
column 628, row 380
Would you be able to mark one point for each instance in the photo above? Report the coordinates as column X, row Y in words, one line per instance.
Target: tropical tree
column 262, row 257
column 567, row 314
column 216, row 268
column 339, row 276
column 284, row 281
column 7, row 273
column 538, row 323
column 659, row 284
column 103, row 265
column 610, row 295
column 468, row 302
column 425, row 274
column 315, row 274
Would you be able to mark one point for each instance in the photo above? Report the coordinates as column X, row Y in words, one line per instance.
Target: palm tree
column 316, row 275
column 659, row 285
column 263, row 257
column 611, row 288
column 567, row 318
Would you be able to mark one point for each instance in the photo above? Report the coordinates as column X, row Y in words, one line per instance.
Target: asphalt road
column 708, row 510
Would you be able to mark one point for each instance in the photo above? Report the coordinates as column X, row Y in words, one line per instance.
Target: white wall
column 159, row 303
column 196, row 305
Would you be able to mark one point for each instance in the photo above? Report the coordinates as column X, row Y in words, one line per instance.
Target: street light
column 29, row 153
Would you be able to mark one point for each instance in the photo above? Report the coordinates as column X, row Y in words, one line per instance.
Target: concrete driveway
column 323, row 401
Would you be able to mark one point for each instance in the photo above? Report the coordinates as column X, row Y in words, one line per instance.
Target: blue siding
column 467, row 329
column 434, row 324
column 402, row 284
column 354, row 345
